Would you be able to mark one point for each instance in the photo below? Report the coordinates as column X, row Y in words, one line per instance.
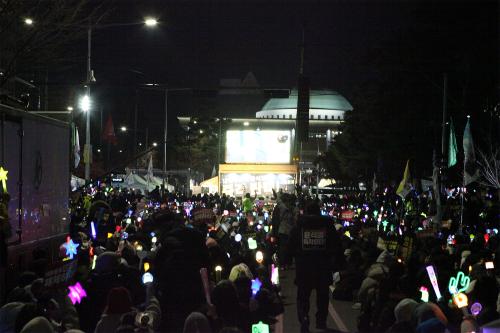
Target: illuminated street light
column 98, row 150
column 140, row 144
column 121, row 151
column 155, row 144
column 69, row 108
column 246, row 123
column 151, row 22
column 28, row 21
column 201, row 131
column 85, row 103
column 123, row 128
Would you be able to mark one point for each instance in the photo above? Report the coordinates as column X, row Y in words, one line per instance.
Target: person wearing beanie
column 119, row 302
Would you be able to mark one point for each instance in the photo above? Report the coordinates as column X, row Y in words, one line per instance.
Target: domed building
column 323, row 105
column 257, row 145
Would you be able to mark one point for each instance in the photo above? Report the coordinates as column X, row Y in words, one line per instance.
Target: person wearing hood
column 118, row 303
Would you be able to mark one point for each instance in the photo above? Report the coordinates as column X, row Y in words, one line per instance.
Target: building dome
column 323, row 105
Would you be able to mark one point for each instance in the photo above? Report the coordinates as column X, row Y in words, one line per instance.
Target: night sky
column 348, row 43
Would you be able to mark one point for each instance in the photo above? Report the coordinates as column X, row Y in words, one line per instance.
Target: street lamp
column 28, row 21
column 123, row 128
column 69, row 108
column 155, row 144
column 84, row 103
column 150, row 22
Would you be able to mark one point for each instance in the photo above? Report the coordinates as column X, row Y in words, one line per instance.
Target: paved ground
column 342, row 318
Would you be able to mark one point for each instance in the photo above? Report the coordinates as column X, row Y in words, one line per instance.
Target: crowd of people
column 164, row 262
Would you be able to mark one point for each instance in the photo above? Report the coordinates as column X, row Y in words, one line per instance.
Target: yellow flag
column 404, row 187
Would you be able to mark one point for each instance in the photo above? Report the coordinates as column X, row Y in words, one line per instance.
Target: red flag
column 109, row 132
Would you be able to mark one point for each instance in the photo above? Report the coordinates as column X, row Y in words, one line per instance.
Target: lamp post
column 88, row 149
column 149, row 22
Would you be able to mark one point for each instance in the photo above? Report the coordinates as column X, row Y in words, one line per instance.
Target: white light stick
column 432, row 277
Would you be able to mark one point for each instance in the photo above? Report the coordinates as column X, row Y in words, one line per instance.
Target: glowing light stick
column 275, row 278
column 385, row 223
column 147, row 278
column 71, row 248
column 3, row 178
column 94, row 260
column 454, row 281
column 425, row 294
column 433, row 279
column 92, row 229
column 460, row 300
column 252, row 243
column 259, row 257
column 146, row 266
column 218, row 272
column 476, row 308
column 260, row 328
column 256, row 284
column 110, row 235
column 76, row 293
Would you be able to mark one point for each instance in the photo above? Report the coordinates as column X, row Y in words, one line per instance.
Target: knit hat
column 404, row 310
column 119, row 301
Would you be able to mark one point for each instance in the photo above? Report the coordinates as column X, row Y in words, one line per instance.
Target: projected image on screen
column 258, row 146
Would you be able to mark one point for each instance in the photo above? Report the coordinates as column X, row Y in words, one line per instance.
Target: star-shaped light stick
column 76, row 293
column 3, row 178
column 70, row 247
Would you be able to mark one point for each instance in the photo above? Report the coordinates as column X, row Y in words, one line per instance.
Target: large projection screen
column 266, row 146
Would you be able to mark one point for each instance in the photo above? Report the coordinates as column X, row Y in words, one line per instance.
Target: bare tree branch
column 490, row 168
column 57, row 24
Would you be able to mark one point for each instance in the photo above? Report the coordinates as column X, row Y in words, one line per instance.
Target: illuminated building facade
column 254, row 159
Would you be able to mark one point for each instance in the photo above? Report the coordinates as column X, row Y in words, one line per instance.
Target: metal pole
column 439, row 207
column 88, row 149
column 165, row 138
column 443, row 125
column 219, row 143
column 135, row 125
